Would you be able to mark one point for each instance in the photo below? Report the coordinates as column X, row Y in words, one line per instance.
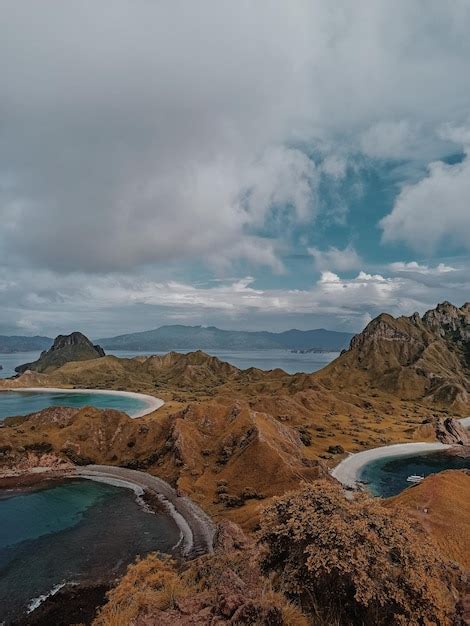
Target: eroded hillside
column 415, row 358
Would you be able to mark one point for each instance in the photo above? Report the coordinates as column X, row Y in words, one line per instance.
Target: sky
column 249, row 165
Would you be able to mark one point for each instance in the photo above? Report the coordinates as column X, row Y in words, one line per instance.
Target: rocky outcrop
column 413, row 357
column 449, row 430
column 66, row 348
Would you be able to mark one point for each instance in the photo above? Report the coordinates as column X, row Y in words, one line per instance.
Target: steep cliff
column 414, row 358
column 66, row 348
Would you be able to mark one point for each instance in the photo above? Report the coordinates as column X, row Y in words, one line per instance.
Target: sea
column 387, row 477
column 69, row 532
column 290, row 362
column 13, row 403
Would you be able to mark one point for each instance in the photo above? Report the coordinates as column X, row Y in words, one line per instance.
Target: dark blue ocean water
column 23, row 403
column 71, row 531
column 387, row 477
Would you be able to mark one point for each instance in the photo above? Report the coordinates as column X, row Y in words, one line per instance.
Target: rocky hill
column 179, row 337
column 233, row 439
column 66, row 348
column 415, row 358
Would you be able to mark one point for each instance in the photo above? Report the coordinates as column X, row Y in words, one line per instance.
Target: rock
column 336, row 450
column 66, row 348
column 413, row 357
column 450, row 431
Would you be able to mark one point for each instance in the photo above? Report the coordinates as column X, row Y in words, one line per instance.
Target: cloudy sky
column 245, row 164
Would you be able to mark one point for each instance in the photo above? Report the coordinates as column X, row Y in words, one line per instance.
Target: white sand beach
column 348, row 471
column 151, row 403
column 196, row 528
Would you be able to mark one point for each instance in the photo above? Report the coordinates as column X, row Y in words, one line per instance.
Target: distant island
column 66, row 348
column 180, row 337
column 18, row 343
column 311, row 351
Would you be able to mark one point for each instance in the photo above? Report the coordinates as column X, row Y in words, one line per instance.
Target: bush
column 356, row 560
column 152, row 582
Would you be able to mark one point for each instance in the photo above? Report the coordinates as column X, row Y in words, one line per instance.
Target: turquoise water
column 10, row 361
column 387, row 477
column 23, row 403
column 244, row 359
column 71, row 531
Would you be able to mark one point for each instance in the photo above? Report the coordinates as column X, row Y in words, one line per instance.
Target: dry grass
column 150, row 584
column 441, row 503
column 357, row 559
column 226, row 587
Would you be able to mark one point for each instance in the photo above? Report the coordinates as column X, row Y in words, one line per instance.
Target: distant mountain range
column 16, row 343
column 180, row 337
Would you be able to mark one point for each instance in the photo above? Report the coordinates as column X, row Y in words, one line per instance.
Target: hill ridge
column 179, row 336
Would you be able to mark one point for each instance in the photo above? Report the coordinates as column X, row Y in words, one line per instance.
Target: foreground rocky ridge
column 294, row 572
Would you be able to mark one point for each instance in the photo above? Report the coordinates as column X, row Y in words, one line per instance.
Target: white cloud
column 434, row 212
column 414, row 266
column 144, row 135
column 388, row 139
column 131, row 136
column 335, row 259
column 50, row 303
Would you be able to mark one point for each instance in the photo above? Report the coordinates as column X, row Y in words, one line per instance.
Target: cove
column 75, row 530
column 386, row 476
column 14, row 403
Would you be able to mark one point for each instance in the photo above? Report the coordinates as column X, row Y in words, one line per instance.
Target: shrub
column 356, row 559
column 152, row 582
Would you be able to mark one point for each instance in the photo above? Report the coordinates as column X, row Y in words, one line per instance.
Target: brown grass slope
column 441, row 503
column 230, row 438
column 224, row 588
column 346, row 563
column 415, row 358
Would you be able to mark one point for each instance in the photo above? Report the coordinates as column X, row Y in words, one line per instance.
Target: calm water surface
column 290, row 362
column 23, row 403
column 387, row 477
column 263, row 359
column 72, row 531
column 10, row 361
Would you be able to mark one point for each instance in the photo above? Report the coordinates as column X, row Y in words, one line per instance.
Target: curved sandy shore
column 348, row 471
column 151, row 403
column 196, row 527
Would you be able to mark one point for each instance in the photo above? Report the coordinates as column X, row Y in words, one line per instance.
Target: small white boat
column 415, row 478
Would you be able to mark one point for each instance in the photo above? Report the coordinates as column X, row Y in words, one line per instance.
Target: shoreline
column 152, row 403
column 348, row 471
column 196, row 527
